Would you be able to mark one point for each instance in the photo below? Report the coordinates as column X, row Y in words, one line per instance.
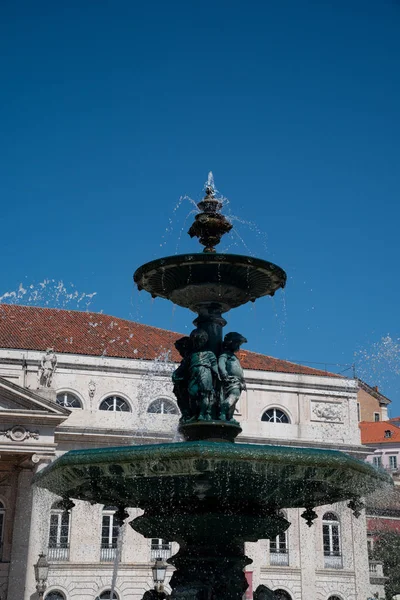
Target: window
column 331, row 540
column 55, row 595
column 163, row 406
column 388, row 433
column 393, row 462
column 278, row 547
column 358, row 411
column 58, row 534
column 115, row 403
column 109, row 535
column 160, row 549
column 334, row 598
column 377, row 460
column 107, row 596
column 275, row 415
column 376, row 417
column 68, row 400
column 2, row 522
column 282, row 595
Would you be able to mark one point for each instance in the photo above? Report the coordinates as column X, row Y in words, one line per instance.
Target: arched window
column 116, row 404
column 106, row 595
column 163, row 406
column 68, row 400
column 331, row 540
column 334, row 598
column 275, row 415
column 58, row 533
column 55, row 595
column 282, row 595
column 109, row 535
column 2, row 523
column 278, row 547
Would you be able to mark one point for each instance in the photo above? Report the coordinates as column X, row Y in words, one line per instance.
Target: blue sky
column 111, row 111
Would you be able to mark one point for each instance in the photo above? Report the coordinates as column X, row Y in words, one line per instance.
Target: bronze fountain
column 209, row 493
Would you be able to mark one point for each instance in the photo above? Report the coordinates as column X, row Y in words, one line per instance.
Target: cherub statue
column 203, row 375
column 231, row 373
column 47, row 367
column 180, row 377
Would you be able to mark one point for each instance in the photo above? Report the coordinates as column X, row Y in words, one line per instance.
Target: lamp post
column 41, row 574
column 159, row 569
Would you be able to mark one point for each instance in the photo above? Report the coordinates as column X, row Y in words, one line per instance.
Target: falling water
column 117, row 558
column 49, row 293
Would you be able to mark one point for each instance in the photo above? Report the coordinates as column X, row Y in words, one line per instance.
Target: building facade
column 73, row 380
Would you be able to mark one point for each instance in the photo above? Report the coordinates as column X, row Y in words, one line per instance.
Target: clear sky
column 111, row 111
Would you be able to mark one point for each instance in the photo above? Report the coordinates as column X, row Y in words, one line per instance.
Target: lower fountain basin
column 207, row 477
column 195, row 280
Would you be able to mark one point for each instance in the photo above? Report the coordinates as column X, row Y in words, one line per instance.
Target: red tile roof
column 374, row 432
column 95, row 334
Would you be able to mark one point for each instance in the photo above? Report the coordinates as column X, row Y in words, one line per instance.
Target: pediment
column 14, row 398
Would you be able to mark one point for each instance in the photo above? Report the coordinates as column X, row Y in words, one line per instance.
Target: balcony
column 58, row 554
column 281, row 559
column 163, row 551
column 376, row 572
column 108, row 553
column 333, row 561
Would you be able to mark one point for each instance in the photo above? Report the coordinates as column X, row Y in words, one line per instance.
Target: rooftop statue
column 47, row 367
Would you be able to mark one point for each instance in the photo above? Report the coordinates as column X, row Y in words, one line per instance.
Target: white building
column 111, row 387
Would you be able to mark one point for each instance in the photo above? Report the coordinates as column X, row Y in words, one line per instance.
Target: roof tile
column 96, row 334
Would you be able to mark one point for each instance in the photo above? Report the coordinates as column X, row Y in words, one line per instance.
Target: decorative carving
column 47, row 367
column 231, row 373
column 327, row 411
column 203, row 377
column 356, row 505
column 309, row 515
column 209, row 224
column 91, row 388
column 20, row 434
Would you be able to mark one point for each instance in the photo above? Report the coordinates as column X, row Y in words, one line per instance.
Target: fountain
column 209, row 493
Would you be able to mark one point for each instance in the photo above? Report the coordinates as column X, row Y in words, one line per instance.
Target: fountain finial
column 209, row 186
column 210, row 225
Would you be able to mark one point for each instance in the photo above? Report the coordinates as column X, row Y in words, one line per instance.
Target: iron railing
column 163, row 551
column 58, row 554
column 279, row 558
column 108, row 553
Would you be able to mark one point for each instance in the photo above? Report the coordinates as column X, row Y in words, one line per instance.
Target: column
column 19, row 563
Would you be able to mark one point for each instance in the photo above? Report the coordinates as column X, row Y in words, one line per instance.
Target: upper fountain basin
column 246, row 478
column 201, row 279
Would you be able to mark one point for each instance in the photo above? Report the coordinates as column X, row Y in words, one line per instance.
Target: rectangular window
column 109, row 532
column 377, row 460
column 376, row 417
column 393, row 462
column 358, row 411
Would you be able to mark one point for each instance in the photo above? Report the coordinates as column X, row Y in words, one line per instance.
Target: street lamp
column 159, row 569
column 41, row 574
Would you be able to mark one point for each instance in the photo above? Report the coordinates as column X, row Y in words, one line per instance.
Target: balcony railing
column 163, row 551
column 108, row 553
column 279, row 558
column 375, row 568
column 57, row 554
column 333, row 561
